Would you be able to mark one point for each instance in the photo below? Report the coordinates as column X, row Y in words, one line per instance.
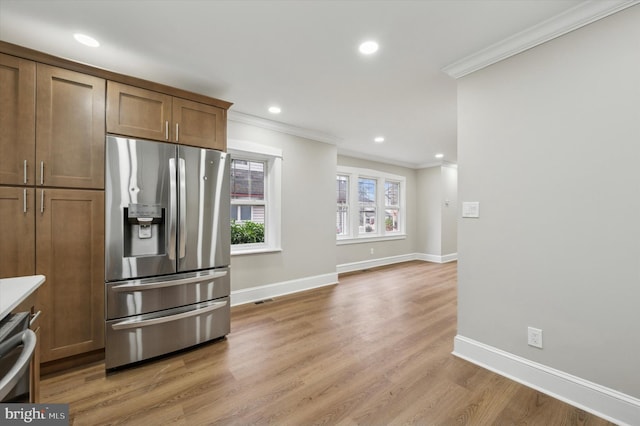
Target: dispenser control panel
column 144, row 215
column 152, row 211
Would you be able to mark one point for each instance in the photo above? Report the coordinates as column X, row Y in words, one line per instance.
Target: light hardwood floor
column 373, row 350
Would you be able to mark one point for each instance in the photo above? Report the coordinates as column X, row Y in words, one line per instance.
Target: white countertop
column 14, row 291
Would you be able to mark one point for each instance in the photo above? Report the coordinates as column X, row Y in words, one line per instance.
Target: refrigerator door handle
column 172, row 210
column 128, row 324
column 182, row 233
column 172, row 283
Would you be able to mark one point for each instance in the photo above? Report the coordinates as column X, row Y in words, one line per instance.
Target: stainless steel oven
column 17, row 346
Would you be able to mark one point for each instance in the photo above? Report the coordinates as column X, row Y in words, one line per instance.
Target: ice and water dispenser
column 144, row 230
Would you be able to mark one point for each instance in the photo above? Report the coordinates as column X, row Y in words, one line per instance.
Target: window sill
column 374, row 238
column 254, row 250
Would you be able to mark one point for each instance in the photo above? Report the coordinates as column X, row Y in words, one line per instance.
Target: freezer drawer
column 146, row 336
column 136, row 297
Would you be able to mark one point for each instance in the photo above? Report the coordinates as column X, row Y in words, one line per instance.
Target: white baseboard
column 437, row 258
column 254, row 294
column 374, row 263
column 452, row 257
column 609, row 404
column 384, row 261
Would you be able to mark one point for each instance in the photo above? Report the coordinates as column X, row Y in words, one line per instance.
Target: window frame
column 252, row 202
column 246, row 150
column 354, row 235
column 346, row 212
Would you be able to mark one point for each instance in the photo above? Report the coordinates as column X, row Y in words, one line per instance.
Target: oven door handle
column 28, row 339
column 172, row 283
column 125, row 325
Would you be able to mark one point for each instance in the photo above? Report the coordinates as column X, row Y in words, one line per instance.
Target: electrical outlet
column 371, row 250
column 534, row 337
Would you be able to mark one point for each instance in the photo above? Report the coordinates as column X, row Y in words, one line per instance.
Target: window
column 377, row 199
column 255, row 197
column 391, row 205
column 367, row 205
column 342, row 212
column 247, row 191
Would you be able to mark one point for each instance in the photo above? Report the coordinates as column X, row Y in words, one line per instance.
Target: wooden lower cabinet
column 70, row 254
column 34, row 368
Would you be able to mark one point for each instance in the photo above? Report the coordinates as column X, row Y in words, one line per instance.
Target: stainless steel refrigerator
column 167, row 248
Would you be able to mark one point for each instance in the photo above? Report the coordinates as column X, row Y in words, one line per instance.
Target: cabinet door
column 69, row 129
column 17, row 120
column 136, row 112
column 17, row 236
column 34, row 370
column 70, row 253
column 199, row 124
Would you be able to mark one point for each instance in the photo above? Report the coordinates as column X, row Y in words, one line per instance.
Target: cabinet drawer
column 146, row 336
column 135, row 297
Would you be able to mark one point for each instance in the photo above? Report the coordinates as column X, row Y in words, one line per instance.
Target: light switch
column 471, row 209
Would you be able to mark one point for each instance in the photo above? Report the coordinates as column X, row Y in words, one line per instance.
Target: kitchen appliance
column 17, row 345
column 167, row 248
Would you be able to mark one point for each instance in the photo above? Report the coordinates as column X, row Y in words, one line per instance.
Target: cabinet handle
column 132, row 323
column 176, row 132
column 42, row 201
column 166, row 129
column 25, row 171
column 42, row 173
column 34, row 317
column 24, row 203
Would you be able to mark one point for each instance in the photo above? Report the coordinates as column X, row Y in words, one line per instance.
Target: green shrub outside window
column 247, row 232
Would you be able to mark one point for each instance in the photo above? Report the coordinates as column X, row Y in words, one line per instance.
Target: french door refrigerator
column 167, row 248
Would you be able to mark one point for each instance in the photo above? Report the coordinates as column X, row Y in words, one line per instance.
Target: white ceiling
column 301, row 55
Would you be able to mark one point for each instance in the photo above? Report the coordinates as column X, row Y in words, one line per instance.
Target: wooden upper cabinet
column 17, row 120
column 70, row 128
column 199, row 124
column 141, row 113
column 146, row 114
column 17, row 231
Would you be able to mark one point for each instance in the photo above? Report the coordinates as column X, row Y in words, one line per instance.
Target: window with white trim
column 342, row 212
column 370, row 204
column 255, row 197
column 367, row 204
column 391, row 205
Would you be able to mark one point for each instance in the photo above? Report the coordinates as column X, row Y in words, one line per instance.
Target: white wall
column 308, row 212
column 429, row 211
column 449, row 212
column 549, row 144
column 437, row 213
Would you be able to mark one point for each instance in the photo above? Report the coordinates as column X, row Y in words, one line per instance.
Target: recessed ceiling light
column 86, row 40
column 274, row 110
column 378, row 139
column 368, row 47
column 439, row 155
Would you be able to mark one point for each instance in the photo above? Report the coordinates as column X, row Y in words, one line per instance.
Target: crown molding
column 241, row 117
column 383, row 160
column 376, row 158
column 557, row 26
